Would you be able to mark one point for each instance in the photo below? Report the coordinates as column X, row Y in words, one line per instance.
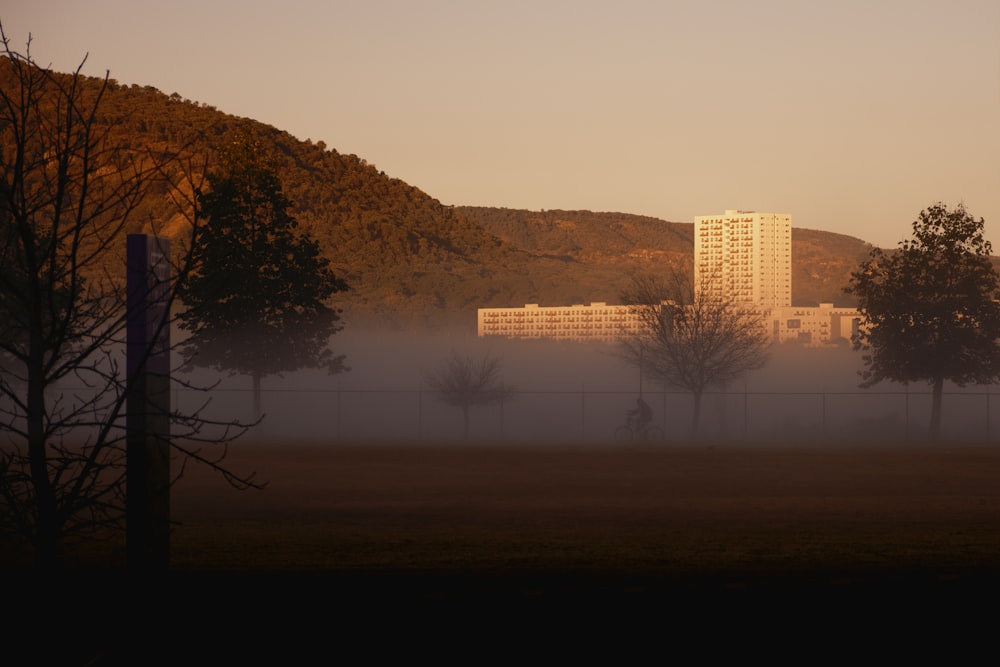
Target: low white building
column 597, row 321
column 814, row 326
column 809, row 326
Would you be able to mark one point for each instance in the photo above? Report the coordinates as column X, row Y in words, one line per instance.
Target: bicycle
column 632, row 432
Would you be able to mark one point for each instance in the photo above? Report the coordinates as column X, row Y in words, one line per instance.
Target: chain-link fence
column 592, row 415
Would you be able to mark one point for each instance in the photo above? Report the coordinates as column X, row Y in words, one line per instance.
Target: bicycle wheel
column 654, row 434
column 623, row 434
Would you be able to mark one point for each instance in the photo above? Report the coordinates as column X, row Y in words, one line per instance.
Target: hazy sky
column 851, row 116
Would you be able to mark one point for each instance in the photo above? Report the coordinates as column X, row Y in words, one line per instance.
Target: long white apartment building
column 745, row 255
column 809, row 326
column 597, row 321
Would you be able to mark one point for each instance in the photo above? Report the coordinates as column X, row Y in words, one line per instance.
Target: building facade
column 811, row 326
column 597, row 321
column 745, row 255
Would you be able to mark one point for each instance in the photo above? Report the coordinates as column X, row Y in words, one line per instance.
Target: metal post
column 987, row 412
column 906, row 414
column 501, row 410
column 745, row 412
column 664, row 418
column 824, row 414
column 147, row 493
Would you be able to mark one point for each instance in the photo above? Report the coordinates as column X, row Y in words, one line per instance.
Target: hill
column 410, row 258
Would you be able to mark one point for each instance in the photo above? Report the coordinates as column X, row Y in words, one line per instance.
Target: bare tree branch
column 464, row 382
column 692, row 341
column 68, row 197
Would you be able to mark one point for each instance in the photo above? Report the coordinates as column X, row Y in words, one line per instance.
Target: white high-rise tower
column 745, row 255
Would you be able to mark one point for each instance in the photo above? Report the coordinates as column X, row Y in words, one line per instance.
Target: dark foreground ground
column 512, row 542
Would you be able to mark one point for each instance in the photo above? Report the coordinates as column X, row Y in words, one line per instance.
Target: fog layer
column 572, row 392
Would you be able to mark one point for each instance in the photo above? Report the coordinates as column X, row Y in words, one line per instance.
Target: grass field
column 667, row 511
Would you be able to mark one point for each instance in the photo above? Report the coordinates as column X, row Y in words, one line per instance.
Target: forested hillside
column 822, row 263
column 409, row 258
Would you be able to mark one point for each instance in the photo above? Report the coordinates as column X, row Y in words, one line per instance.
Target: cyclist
column 640, row 415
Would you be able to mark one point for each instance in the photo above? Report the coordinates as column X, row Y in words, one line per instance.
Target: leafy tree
column 929, row 309
column 69, row 194
column 464, row 382
column 692, row 341
column 256, row 299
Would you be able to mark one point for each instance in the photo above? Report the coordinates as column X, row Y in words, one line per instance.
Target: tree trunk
column 935, row 429
column 465, row 422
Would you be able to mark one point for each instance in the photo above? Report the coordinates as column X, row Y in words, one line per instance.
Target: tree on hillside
column 464, row 382
column 692, row 341
column 68, row 195
column 929, row 309
column 256, row 301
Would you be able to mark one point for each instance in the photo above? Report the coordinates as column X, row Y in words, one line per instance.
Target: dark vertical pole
column 338, row 411
column 906, row 414
column 501, row 411
column 642, row 351
column 147, row 503
column 824, row 415
column 664, row 406
column 746, row 412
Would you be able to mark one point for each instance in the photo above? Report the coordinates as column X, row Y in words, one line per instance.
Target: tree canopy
column 257, row 301
column 929, row 309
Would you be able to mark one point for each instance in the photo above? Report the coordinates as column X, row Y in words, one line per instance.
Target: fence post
column 664, row 409
column 823, row 431
column 746, row 413
column 502, row 400
column 906, row 414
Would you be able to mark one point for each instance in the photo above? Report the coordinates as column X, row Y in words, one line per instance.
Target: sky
column 851, row 116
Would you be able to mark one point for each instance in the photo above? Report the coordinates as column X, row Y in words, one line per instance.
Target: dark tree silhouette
column 256, row 300
column 929, row 309
column 692, row 341
column 68, row 196
column 464, row 382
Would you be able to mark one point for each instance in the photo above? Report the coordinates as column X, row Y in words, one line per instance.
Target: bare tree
column 692, row 341
column 464, row 382
column 68, row 197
